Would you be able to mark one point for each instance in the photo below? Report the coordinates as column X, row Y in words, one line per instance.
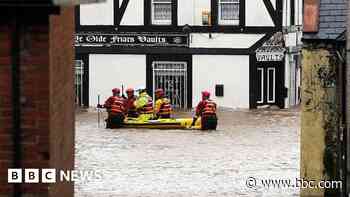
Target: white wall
column 286, row 13
column 109, row 71
column 134, row 13
column 274, row 3
column 97, row 14
column 190, row 11
column 291, row 39
column 287, row 81
column 221, row 40
column 257, row 14
column 232, row 72
column 185, row 12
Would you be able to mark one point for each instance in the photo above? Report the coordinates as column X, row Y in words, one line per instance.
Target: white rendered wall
column 257, row 14
column 110, row 71
column 274, row 3
column 134, row 13
column 287, row 81
column 185, row 10
column 286, row 13
column 97, row 13
column 190, row 11
column 230, row 70
column 291, row 39
column 221, row 40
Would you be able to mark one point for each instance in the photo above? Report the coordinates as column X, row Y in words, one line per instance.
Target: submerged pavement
column 247, row 147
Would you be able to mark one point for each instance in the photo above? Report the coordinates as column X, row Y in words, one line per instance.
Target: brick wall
column 5, row 108
column 47, row 101
column 34, row 103
column 62, row 106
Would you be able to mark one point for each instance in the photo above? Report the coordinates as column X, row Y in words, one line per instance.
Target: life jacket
column 118, row 106
column 131, row 106
column 110, row 101
column 165, row 108
column 148, row 108
column 209, row 108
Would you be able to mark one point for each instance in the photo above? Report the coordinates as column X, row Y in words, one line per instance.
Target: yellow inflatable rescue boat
column 171, row 123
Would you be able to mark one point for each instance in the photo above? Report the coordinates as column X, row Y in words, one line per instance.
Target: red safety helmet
column 115, row 90
column 205, row 94
column 130, row 90
column 159, row 92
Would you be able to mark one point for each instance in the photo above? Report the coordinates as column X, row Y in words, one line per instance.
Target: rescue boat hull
column 181, row 123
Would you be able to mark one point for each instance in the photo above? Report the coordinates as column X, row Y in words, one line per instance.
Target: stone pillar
column 319, row 119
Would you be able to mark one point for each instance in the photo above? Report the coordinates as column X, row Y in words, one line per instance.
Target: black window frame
column 148, row 14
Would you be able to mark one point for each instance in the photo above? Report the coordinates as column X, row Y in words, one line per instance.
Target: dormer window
column 161, row 12
column 228, row 12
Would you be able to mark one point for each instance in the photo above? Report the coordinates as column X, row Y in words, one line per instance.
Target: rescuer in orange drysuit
column 116, row 108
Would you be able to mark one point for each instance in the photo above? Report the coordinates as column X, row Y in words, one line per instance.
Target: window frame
column 161, row 22
column 234, row 22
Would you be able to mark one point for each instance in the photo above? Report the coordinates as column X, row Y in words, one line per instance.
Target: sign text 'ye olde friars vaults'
column 131, row 39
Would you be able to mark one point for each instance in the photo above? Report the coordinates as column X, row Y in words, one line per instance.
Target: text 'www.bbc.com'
column 255, row 183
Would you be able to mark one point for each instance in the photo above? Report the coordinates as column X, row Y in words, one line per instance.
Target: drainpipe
column 16, row 112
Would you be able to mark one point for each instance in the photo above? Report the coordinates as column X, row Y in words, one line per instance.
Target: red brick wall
column 47, row 96
column 5, row 108
column 62, row 108
column 34, row 107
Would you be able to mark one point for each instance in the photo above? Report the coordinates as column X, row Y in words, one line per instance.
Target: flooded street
column 138, row 162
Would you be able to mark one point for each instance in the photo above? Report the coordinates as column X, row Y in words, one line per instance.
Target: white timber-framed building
column 244, row 52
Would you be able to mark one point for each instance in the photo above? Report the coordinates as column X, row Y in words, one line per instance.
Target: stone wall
column 319, row 119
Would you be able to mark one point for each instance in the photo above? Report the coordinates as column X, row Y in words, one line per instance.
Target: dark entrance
column 270, row 84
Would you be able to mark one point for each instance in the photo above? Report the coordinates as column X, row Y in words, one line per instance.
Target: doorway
column 172, row 73
column 172, row 78
column 270, row 84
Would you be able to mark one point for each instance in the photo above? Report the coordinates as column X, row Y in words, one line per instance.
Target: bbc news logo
column 49, row 175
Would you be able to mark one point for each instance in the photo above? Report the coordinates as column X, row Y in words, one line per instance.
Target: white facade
column 220, row 54
column 231, row 71
column 293, row 44
column 257, row 14
column 97, row 14
column 133, row 14
column 221, row 40
column 189, row 12
column 113, row 71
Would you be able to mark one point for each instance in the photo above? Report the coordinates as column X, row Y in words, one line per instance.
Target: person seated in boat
column 206, row 109
column 115, row 106
column 130, row 103
column 163, row 107
column 144, row 105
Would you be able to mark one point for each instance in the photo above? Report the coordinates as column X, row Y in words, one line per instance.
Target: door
column 171, row 76
column 270, row 88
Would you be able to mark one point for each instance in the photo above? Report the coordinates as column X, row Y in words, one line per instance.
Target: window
column 161, row 12
column 228, row 12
